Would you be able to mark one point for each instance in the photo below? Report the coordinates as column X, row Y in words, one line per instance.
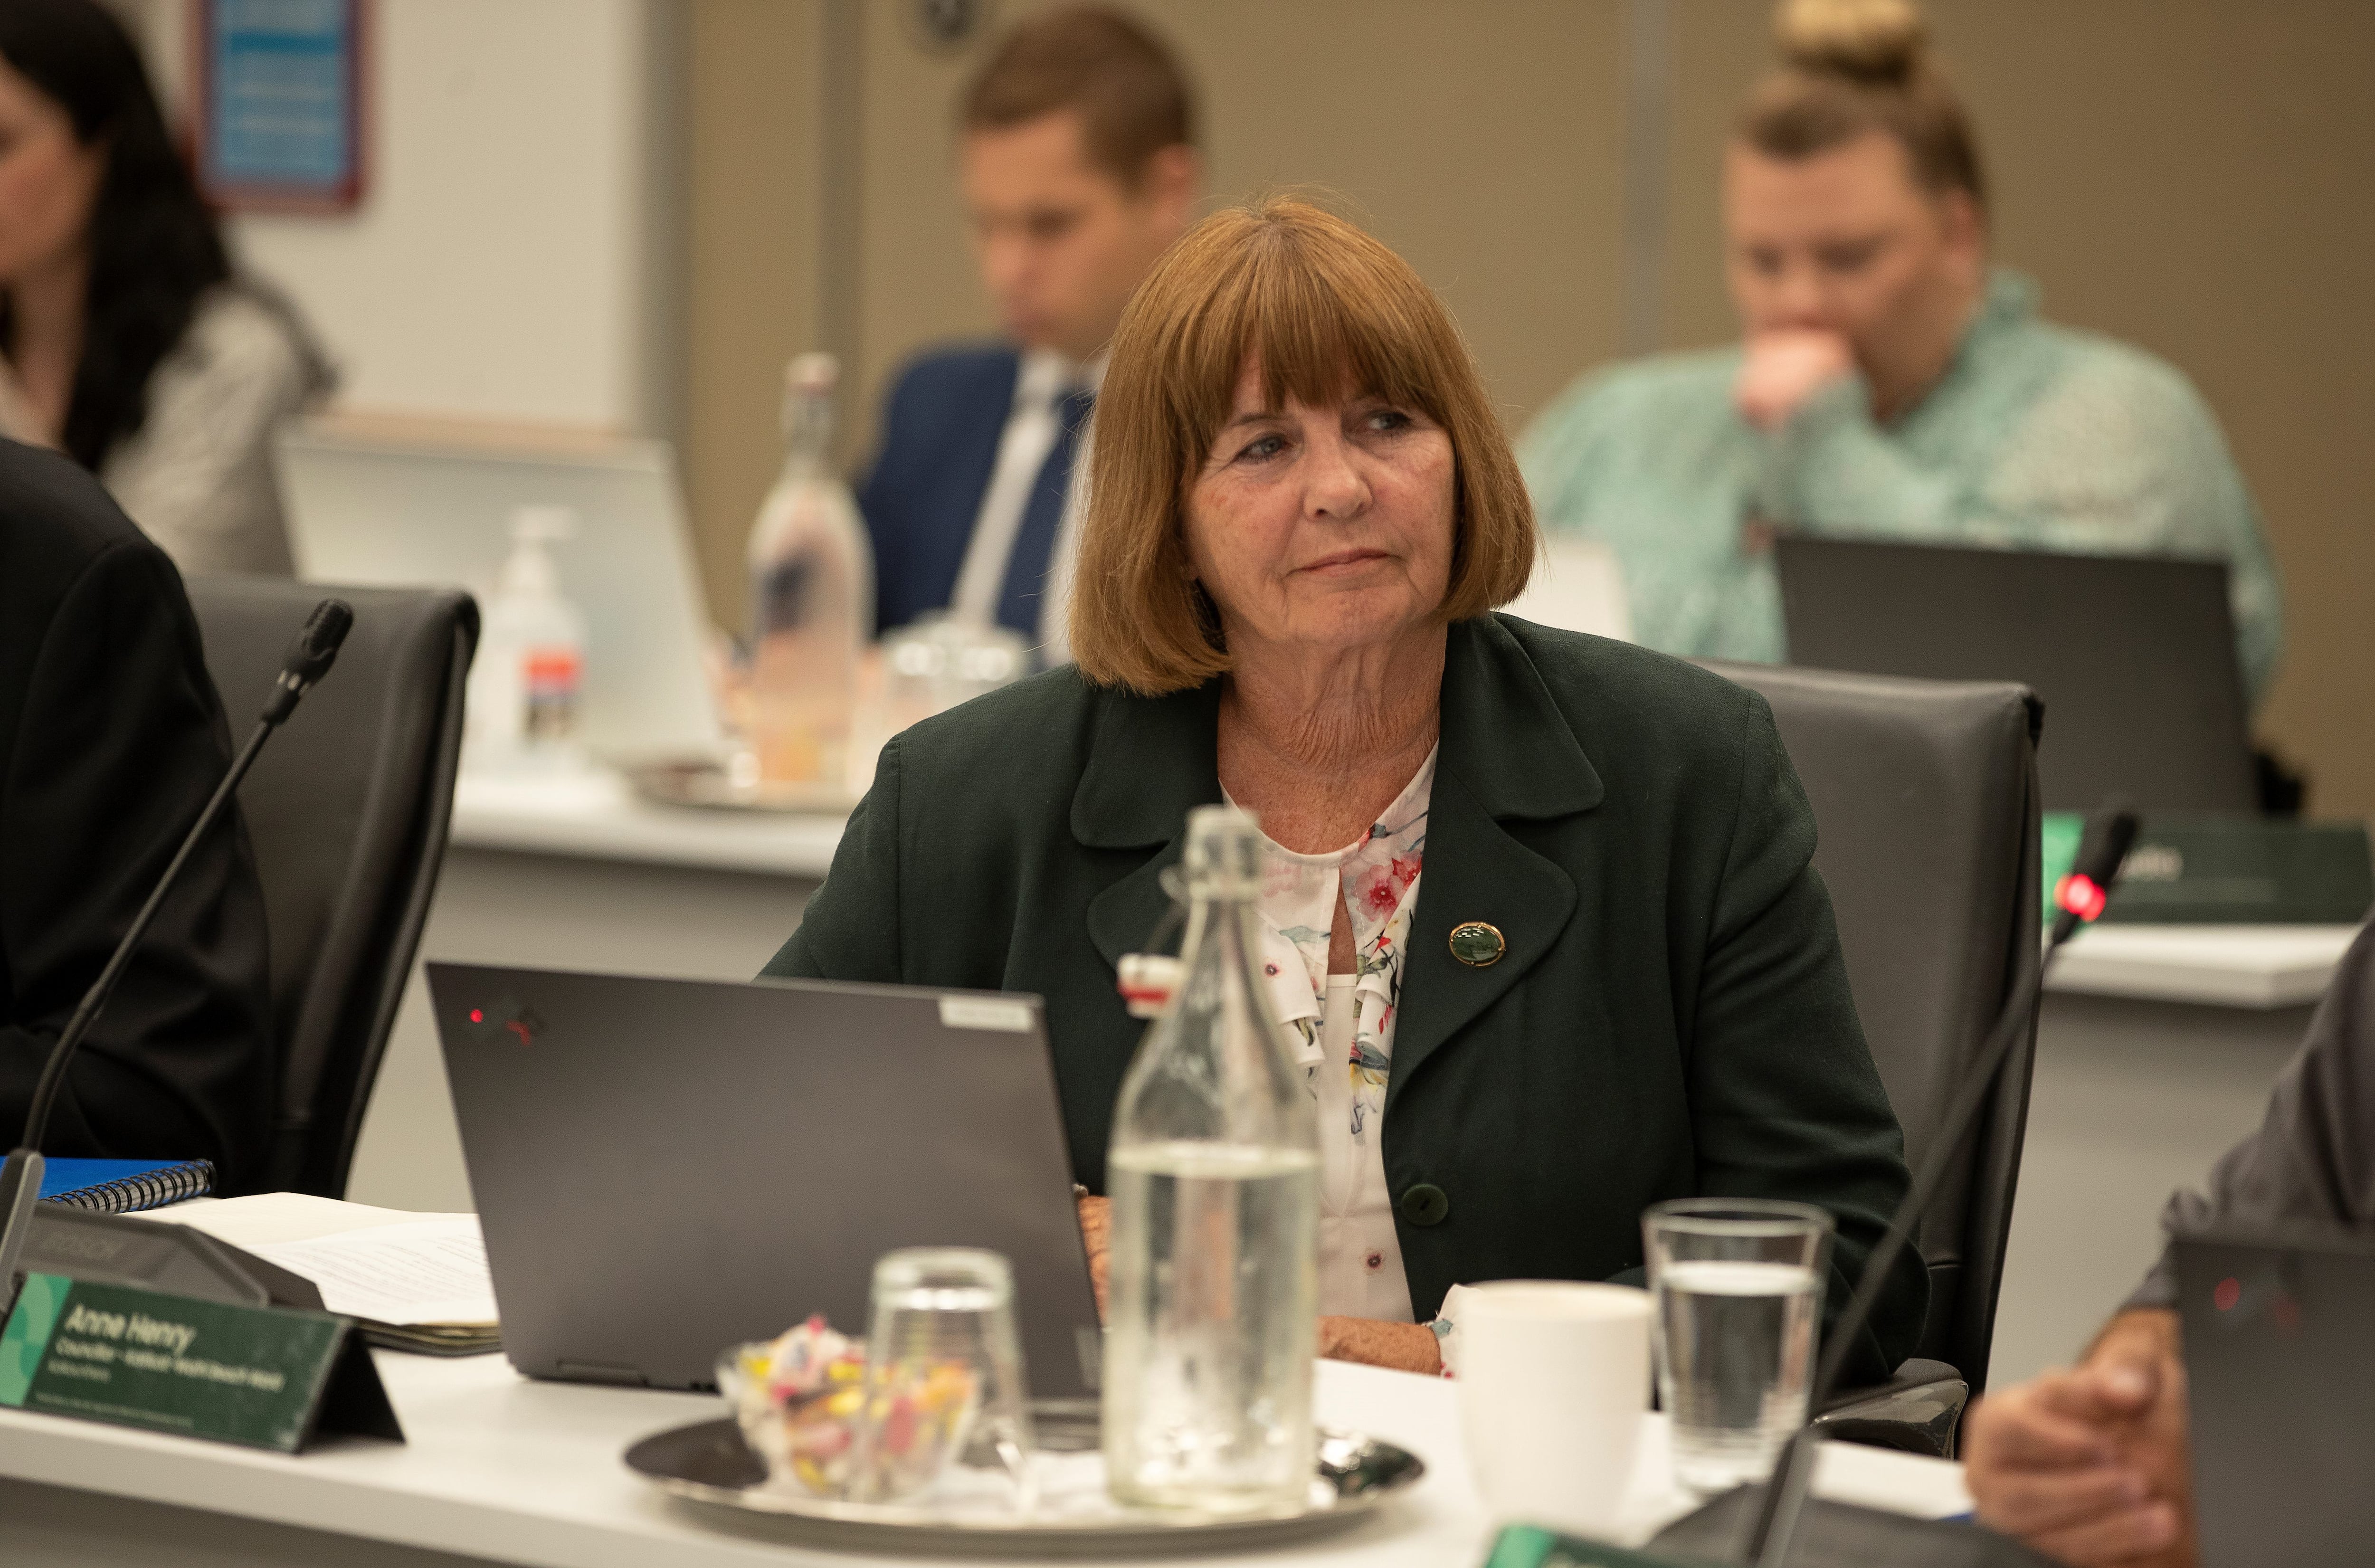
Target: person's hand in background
column 1782, row 368
column 2089, row 1466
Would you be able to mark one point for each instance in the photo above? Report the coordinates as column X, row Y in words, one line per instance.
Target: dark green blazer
column 1670, row 1016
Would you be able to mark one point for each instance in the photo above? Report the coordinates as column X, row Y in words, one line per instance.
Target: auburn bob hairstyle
column 1329, row 313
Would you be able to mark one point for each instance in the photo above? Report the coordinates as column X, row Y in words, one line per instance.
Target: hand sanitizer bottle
column 812, row 599
column 528, row 678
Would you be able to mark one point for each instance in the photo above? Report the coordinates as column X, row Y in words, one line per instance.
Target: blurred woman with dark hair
column 129, row 344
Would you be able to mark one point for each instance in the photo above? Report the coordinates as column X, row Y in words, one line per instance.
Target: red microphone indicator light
column 2081, row 896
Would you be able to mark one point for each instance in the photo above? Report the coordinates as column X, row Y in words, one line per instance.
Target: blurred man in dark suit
column 112, row 738
column 1079, row 168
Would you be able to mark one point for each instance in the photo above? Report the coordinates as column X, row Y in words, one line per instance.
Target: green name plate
column 1528, row 1546
column 2226, row 870
column 270, row 1377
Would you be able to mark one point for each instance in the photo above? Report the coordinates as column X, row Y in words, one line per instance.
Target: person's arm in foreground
column 121, row 741
column 2091, row 1465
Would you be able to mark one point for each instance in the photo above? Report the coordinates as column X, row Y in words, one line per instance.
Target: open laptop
column 2280, row 1375
column 1576, row 586
column 2135, row 656
column 400, row 512
column 665, row 1168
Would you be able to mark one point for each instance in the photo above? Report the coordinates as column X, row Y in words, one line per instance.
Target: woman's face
column 48, row 180
column 1323, row 527
column 1846, row 241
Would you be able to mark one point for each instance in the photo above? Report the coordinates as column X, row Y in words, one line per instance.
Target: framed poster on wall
column 280, row 104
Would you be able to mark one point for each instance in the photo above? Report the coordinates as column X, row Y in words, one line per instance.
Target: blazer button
column 1424, row 1205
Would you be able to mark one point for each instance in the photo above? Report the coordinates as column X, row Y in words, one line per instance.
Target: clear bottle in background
column 812, row 598
column 1212, row 1312
column 527, row 682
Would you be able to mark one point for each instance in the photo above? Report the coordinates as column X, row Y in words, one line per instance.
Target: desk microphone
column 20, row 1175
column 2078, row 899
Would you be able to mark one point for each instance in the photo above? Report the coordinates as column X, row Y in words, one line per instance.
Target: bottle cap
column 812, row 374
column 1223, row 857
column 543, row 524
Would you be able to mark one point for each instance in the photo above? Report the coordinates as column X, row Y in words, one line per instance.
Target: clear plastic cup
column 944, row 1374
column 1739, row 1289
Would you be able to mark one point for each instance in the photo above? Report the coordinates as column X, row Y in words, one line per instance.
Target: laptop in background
column 2280, row 1376
column 394, row 512
column 1576, row 586
column 664, row 1168
column 2135, row 656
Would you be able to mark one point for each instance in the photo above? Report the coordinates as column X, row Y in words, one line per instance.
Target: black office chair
column 1926, row 802
column 347, row 809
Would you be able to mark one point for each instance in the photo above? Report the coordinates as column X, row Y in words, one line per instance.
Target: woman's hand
column 1781, row 370
column 1096, row 1233
column 1405, row 1347
column 2090, row 1466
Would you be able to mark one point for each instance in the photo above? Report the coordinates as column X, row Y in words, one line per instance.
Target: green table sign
column 1529, row 1545
column 270, row 1377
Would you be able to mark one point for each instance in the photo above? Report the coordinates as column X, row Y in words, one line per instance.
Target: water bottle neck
column 808, row 434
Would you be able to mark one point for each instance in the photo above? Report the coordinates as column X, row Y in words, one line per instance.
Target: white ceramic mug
column 1553, row 1384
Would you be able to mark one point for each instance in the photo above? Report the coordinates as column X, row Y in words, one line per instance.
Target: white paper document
column 419, row 1272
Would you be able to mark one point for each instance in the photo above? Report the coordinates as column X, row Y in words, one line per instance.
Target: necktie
column 1035, row 541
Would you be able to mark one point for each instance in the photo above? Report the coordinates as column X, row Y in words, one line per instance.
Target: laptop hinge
column 601, row 1372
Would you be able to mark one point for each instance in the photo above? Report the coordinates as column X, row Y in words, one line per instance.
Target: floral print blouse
column 1378, row 880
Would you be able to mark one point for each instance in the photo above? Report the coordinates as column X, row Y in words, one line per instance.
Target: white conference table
column 499, row 1468
column 2156, row 1045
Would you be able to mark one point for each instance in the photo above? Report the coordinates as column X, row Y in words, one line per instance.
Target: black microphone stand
column 21, row 1174
column 1783, row 1504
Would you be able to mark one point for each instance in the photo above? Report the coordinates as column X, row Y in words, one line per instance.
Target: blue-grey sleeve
column 2313, row 1157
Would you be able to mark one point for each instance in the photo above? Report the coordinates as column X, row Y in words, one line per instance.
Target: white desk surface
column 2235, row 966
column 597, row 816
column 501, row 1468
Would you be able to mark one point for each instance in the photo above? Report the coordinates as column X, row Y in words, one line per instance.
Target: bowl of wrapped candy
column 808, row 1408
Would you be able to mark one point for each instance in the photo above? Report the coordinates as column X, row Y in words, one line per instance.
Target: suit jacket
column 112, row 738
column 1670, row 1016
column 941, row 426
column 2312, row 1162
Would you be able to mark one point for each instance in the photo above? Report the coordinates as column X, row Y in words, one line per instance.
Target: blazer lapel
column 1152, row 760
column 1508, row 754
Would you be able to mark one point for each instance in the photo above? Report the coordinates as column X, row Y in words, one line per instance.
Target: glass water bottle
column 1212, row 1312
column 812, row 597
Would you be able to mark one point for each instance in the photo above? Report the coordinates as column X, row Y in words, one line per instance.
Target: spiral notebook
column 124, row 1186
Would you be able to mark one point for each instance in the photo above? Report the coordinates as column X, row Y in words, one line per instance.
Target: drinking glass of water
column 945, row 1379
column 1739, row 1289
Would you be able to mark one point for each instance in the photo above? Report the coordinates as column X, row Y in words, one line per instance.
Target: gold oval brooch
column 1477, row 945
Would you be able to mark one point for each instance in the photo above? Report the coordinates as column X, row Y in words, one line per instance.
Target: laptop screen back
column 2280, row 1373
column 665, row 1168
column 2134, row 656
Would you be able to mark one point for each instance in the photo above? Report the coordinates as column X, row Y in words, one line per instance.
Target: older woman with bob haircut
column 1539, row 918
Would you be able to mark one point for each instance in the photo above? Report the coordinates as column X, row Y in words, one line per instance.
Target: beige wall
column 2191, row 175
column 750, row 261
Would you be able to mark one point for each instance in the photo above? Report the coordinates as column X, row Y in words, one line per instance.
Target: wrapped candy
column 806, row 1406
